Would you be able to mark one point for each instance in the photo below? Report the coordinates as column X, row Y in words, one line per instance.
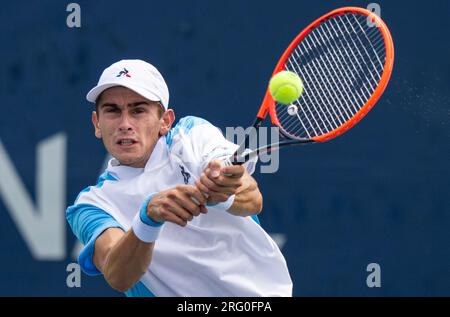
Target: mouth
column 126, row 142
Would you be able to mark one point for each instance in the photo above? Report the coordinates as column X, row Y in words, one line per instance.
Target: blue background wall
column 378, row 194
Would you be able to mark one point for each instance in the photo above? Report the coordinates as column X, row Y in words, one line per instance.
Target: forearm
column 127, row 261
column 248, row 199
column 125, row 257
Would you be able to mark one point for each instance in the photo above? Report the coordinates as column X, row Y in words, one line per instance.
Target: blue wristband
column 145, row 228
column 143, row 213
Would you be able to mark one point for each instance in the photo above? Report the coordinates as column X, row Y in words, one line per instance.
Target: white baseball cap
column 137, row 75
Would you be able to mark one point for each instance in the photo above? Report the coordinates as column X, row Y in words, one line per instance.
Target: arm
column 222, row 182
column 123, row 258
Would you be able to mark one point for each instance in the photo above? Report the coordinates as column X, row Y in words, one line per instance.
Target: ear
column 95, row 122
column 167, row 120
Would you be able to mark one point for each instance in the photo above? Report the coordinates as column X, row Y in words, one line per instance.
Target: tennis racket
column 345, row 59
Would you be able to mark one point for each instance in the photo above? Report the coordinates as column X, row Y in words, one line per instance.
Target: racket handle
column 233, row 160
column 239, row 159
column 227, row 162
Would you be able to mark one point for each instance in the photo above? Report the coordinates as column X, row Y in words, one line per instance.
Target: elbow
column 120, row 287
column 120, row 283
column 116, row 281
column 119, row 279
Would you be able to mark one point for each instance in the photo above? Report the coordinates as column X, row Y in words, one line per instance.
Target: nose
column 125, row 124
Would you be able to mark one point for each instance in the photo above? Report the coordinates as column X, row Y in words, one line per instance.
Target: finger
column 214, row 168
column 187, row 203
column 203, row 209
column 207, row 182
column 175, row 207
column 175, row 219
column 184, row 195
column 193, row 191
column 218, row 198
column 235, row 171
column 213, row 187
column 224, row 179
column 227, row 181
column 212, row 175
column 202, row 188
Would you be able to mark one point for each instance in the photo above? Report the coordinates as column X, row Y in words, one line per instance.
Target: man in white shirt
column 166, row 218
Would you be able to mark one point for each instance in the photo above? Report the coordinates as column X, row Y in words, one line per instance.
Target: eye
column 111, row 110
column 138, row 110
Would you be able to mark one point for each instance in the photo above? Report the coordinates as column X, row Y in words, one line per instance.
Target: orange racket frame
column 268, row 104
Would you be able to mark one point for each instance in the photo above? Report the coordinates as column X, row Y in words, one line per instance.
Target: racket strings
column 345, row 79
column 341, row 62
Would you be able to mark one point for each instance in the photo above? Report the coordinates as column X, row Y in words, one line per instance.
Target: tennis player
column 166, row 218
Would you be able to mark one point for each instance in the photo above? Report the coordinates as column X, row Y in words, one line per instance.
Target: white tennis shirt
column 216, row 254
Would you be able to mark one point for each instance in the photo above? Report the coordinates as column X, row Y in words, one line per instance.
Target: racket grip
column 232, row 160
column 227, row 162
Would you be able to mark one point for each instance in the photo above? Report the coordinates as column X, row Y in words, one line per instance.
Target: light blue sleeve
column 139, row 290
column 87, row 223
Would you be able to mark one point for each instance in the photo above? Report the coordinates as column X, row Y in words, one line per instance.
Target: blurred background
column 379, row 194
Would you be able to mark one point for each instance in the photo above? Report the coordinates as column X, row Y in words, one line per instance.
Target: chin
column 131, row 161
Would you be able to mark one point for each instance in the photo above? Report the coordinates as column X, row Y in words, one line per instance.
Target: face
column 129, row 125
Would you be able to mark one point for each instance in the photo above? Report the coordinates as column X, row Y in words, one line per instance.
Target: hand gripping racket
column 345, row 59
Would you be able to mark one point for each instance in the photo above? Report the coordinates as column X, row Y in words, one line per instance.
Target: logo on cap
column 123, row 72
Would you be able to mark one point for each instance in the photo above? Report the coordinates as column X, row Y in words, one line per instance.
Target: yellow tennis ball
column 286, row 87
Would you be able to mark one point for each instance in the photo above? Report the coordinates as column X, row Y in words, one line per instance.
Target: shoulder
column 92, row 195
column 186, row 126
column 89, row 209
column 86, row 219
column 189, row 122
